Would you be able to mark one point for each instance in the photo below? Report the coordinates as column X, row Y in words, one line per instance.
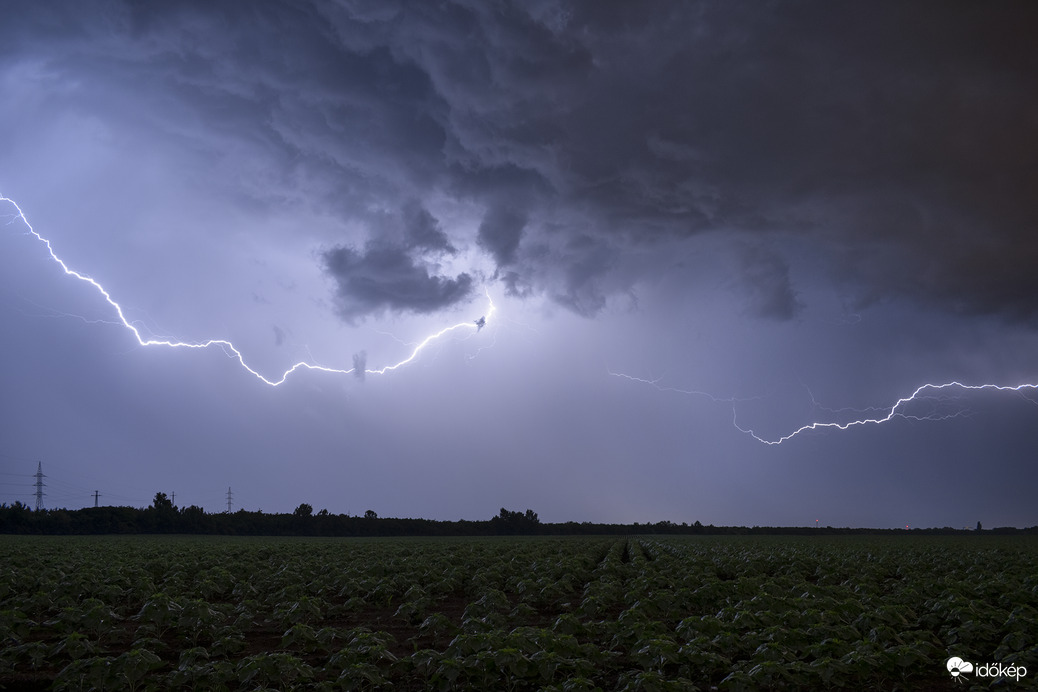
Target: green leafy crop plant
column 558, row 613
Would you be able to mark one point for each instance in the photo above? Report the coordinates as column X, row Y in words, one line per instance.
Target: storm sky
column 691, row 220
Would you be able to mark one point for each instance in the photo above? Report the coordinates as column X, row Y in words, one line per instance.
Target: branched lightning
column 932, row 392
column 895, row 411
column 229, row 348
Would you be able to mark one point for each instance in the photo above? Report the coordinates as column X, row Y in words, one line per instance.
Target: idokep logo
column 958, row 668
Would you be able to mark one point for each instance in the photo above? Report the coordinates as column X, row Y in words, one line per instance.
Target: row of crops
column 676, row 613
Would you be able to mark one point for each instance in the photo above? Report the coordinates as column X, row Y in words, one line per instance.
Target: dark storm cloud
column 387, row 278
column 423, row 231
column 393, row 271
column 898, row 137
column 647, row 122
column 500, row 233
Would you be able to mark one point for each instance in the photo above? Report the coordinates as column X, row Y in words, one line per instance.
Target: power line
column 74, row 478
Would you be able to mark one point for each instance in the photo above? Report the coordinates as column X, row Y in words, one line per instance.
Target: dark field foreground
column 641, row 613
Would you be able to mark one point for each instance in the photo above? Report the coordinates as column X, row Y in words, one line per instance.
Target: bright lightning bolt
column 886, row 415
column 895, row 411
column 227, row 346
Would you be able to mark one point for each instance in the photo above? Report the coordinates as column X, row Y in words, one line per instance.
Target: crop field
column 637, row 613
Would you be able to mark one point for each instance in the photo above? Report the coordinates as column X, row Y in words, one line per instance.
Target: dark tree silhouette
column 161, row 517
column 508, row 523
column 162, row 503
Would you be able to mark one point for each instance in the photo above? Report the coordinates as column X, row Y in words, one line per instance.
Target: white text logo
column 957, row 667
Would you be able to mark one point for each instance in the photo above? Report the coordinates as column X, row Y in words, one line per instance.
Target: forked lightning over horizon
column 895, row 411
column 889, row 413
column 227, row 346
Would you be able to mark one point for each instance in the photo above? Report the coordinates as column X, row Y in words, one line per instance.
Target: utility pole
column 174, row 500
column 228, row 499
column 39, row 485
column 96, row 494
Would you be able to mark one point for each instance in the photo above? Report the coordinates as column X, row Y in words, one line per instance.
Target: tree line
column 165, row 517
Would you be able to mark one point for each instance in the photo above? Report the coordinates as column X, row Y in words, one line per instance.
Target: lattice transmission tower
column 39, row 485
